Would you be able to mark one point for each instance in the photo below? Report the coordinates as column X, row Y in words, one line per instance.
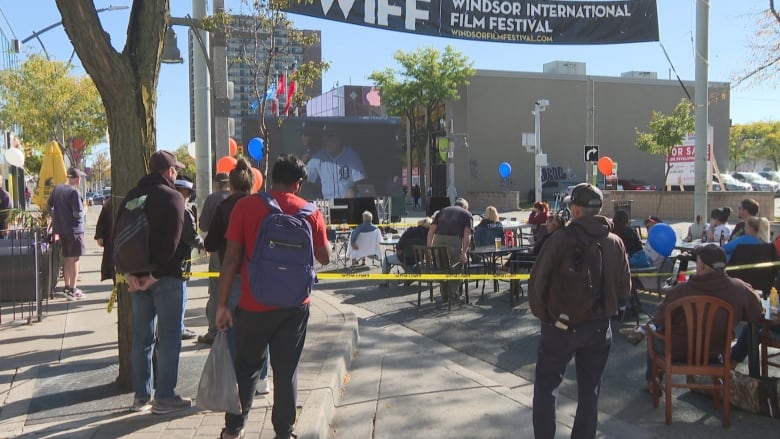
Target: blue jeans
column 740, row 349
column 158, row 309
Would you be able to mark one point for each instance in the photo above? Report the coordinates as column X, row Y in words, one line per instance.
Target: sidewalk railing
column 29, row 268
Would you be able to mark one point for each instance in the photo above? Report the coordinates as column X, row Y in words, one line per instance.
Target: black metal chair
column 432, row 260
column 760, row 278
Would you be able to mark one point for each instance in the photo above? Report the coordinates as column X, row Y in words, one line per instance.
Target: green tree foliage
column 265, row 54
column 753, row 142
column 426, row 79
column 183, row 154
column 48, row 102
column 666, row 131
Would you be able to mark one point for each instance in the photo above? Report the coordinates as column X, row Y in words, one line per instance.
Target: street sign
column 591, row 153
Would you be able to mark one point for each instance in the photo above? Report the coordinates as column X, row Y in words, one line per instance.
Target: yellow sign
column 52, row 173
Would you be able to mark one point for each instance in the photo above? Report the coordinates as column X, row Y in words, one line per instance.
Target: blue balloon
column 504, row 170
column 255, row 148
column 662, row 239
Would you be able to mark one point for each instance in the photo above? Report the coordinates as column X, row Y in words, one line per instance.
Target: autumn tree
column 265, row 55
column 764, row 64
column 426, row 79
column 100, row 169
column 48, row 102
column 127, row 83
column 754, row 141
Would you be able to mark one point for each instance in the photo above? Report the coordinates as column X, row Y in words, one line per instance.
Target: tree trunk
column 127, row 83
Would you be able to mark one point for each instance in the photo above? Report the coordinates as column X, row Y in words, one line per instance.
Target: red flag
column 290, row 94
column 280, row 88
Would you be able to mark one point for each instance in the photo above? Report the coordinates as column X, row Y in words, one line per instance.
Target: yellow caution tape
column 115, row 292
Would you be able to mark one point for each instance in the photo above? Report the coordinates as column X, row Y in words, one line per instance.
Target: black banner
column 506, row 21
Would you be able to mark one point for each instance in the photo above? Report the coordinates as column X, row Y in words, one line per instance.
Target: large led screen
column 345, row 157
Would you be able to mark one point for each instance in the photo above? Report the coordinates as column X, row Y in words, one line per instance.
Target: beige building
column 496, row 109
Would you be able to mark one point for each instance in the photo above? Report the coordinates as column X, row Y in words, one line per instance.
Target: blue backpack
column 281, row 269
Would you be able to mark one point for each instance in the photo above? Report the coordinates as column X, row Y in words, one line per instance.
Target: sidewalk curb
column 318, row 411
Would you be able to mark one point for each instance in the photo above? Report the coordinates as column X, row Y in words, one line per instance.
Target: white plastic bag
column 218, row 388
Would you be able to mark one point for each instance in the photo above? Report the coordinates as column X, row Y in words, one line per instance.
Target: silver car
column 758, row 182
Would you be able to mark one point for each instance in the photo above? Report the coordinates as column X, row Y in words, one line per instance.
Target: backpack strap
column 270, row 202
column 307, row 210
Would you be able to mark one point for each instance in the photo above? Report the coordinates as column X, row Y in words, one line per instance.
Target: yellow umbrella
column 52, row 173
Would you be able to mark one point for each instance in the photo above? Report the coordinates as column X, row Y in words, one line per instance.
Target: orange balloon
column 258, row 182
column 226, row 164
column 606, row 165
column 233, row 147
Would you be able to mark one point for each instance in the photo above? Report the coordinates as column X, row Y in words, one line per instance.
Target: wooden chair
column 768, row 359
column 704, row 345
column 760, row 278
column 432, row 260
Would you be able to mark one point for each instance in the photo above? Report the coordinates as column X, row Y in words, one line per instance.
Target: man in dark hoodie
column 589, row 341
column 710, row 280
column 158, row 297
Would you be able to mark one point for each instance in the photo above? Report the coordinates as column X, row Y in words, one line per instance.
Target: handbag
column 755, row 395
column 218, row 387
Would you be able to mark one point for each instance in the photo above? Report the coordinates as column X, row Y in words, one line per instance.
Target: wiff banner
column 507, row 21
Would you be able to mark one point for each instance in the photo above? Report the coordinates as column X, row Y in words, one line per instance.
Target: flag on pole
column 290, row 94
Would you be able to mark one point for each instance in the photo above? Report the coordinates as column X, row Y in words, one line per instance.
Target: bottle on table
column 774, row 299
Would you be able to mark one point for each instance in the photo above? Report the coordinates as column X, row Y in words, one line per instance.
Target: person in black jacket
column 158, row 296
column 419, row 234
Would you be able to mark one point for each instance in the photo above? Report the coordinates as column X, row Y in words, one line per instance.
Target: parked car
column 633, row 184
column 97, row 200
column 770, row 175
column 758, row 182
column 731, row 183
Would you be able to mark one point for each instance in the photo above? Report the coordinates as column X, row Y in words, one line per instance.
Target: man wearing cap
column 158, row 296
column 588, row 340
column 189, row 239
column 222, row 183
column 710, row 280
column 452, row 227
column 337, row 167
column 67, row 210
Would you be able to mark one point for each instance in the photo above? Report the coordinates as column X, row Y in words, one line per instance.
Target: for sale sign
column 681, row 163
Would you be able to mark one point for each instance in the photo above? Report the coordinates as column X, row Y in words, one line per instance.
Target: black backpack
column 579, row 296
column 131, row 238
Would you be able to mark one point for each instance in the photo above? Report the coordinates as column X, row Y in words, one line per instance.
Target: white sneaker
column 263, row 387
column 73, row 294
column 141, row 405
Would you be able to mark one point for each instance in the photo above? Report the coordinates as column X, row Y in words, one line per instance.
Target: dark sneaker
column 163, row 406
column 141, row 404
column 225, row 435
column 188, row 334
column 207, row 338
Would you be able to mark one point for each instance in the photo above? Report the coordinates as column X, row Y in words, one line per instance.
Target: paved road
column 506, row 339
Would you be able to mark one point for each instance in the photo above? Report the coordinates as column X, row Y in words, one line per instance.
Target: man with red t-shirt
column 258, row 325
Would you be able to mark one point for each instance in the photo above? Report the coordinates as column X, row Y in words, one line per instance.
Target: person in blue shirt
column 752, row 226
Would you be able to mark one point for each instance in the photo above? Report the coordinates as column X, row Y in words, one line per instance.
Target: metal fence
column 29, row 268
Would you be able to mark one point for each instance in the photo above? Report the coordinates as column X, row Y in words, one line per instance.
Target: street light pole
column 16, row 45
column 540, row 158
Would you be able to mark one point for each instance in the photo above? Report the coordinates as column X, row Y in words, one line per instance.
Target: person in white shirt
column 718, row 230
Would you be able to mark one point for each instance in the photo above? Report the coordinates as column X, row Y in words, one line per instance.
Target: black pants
column 589, row 343
column 284, row 332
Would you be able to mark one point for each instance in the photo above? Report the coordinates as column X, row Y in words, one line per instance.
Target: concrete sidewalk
column 57, row 376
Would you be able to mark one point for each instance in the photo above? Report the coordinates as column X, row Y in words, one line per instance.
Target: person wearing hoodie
column 710, row 280
column 589, row 341
column 158, row 296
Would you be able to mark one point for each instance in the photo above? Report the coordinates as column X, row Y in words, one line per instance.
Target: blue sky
column 355, row 51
